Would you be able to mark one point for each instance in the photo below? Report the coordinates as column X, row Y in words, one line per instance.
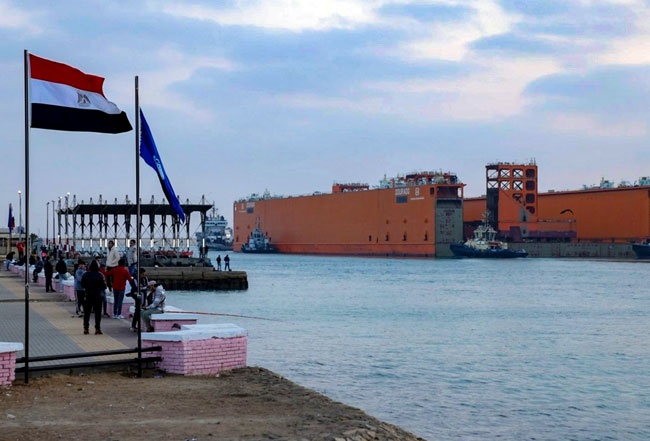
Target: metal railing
column 137, row 360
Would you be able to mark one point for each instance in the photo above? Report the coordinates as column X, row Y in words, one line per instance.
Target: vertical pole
column 47, row 223
column 53, row 236
column 28, row 246
column 138, row 220
column 10, row 229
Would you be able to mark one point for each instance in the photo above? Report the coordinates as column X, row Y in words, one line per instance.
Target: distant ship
column 218, row 236
column 484, row 244
column 258, row 242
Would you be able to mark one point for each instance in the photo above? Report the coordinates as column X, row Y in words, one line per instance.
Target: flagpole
column 28, row 246
column 138, row 232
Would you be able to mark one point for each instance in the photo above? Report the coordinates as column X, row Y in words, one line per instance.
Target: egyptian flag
column 65, row 98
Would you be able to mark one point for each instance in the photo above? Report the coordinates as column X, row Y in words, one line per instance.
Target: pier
column 87, row 227
column 198, row 278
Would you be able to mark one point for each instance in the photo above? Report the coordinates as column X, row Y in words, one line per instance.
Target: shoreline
column 241, row 404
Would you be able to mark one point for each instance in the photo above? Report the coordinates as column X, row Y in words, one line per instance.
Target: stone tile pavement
column 53, row 326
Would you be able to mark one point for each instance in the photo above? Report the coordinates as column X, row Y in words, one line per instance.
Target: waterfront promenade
column 54, row 328
column 241, row 404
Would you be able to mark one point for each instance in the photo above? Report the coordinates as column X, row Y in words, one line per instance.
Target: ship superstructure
column 597, row 214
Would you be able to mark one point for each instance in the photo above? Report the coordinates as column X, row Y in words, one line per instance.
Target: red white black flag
column 65, row 98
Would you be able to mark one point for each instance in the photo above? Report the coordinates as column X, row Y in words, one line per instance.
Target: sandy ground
column 243, row 404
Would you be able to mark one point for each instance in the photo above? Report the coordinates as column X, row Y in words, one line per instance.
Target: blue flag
column 149, row 153
column 10, row 223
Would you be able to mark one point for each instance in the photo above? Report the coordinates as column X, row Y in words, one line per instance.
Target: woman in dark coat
column 94, row 283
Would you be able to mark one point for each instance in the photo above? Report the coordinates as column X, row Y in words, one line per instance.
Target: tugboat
column 642, row 250
column 258, row 242
column 484, row 244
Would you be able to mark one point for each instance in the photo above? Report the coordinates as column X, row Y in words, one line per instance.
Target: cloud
column 287, row 15
column 15, row 19
column 596, row 127
column 493, row 91
column 490, row 91
column 158, row 83
column 607, row 101
column 515, row 43
column 614, row 91
column 426, row 12
column 451, row 40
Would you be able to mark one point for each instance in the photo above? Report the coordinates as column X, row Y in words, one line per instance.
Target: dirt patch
column 243, row 404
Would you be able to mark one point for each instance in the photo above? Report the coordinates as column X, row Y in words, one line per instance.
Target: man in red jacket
column 120, row 276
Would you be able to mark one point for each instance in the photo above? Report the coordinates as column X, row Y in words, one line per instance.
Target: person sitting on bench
column 156, row 307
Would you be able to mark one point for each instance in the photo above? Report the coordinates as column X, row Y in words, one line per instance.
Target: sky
column 291, row 95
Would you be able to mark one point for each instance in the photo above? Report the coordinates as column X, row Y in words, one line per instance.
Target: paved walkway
column 53, row 326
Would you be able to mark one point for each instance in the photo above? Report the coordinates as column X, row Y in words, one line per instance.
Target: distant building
column 4, row 239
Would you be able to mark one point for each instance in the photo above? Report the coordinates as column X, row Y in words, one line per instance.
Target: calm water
column 456, row 349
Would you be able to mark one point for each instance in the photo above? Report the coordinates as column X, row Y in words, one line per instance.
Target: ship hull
column 462, row 250
column 218, row 247
column 641, row 250
column 245, row 249
column 418, row 221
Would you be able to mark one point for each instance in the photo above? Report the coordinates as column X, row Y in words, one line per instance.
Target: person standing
column 141, row 297
column 49, row 271
column 94, row 284
column 132, row 258
column 156, row 307
column 120, row 275
column 219, row 262
column 62, row 269
column 102, row 270
column 226, row 265
column 112, row 261
column 79, row 290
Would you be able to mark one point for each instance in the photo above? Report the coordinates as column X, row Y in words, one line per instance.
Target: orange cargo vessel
column 518, row 212
column 419, row 214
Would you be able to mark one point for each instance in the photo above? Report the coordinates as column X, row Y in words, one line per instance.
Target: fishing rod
column 222, row 314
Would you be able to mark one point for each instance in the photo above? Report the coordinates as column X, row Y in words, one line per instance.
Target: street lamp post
column 47, row 223
column 20, row 213
column 53, row 236
column 59, row 225
column 67, row 236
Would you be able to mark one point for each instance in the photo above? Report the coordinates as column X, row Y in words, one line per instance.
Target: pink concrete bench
column 200, row 349
column 127, row 304
column 172, row 321
column 8, row 362
column 68, row 289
